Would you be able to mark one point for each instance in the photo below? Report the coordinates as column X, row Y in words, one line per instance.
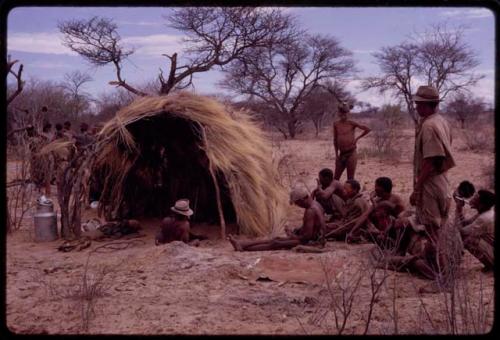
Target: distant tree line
column 275, row 68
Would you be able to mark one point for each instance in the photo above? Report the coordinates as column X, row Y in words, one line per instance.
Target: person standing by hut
column 41, row 166
column 67, row 130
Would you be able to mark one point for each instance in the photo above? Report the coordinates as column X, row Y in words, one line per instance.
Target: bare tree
column 438, row 57
column 321, row 103
column 283, row 75
column 20, row 84
column 109, row 103
column 98, row 41
column 386, row 129
column 17, row 75
column 73, row 84
column 446, row 59
column 215, row 37
column 398, row 65
column 464, row 108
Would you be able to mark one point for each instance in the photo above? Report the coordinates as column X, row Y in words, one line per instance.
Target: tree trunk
column 292, row 128
column 7, row 213
column 317, row 125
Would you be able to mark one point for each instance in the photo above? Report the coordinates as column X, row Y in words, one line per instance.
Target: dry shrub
column 465, row 311
column 386, row 132
column 342, row 303
column 391, row 155
column 478, row 138
column 84, row 291
column 488, row 172
column 20, row 192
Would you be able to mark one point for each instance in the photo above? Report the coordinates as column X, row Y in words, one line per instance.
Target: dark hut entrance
column 171, row 166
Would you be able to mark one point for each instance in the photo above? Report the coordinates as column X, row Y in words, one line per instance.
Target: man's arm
column 398, row 206
column 325, row 193
column 430, row 165
column 360, row 221
column 307, row 229
column 365, row 129
column 335, row 146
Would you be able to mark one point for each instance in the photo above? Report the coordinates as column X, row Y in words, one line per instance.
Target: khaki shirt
column 433, row 139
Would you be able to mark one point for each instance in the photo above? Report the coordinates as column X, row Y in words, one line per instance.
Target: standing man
column 432, row 159
column 344, row 142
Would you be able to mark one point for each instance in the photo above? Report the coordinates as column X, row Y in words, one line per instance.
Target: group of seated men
column 335, row 211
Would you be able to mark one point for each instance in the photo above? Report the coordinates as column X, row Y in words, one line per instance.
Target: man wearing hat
column 177, row 227
column 432, row 159
column 311, row 230
column 344, row 142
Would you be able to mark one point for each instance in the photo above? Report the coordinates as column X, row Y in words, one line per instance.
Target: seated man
column 478, row 232
column 355, row 206
column 329, row 194
column 311, row 230
column 418, row 256
column 375, row 224
column 177, row 228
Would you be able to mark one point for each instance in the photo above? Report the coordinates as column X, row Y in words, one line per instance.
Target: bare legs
column 263, row 245
column 348, row 161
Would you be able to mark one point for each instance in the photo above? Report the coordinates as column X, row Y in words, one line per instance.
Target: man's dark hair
column 84, row 127
column 44, row 108
column 327, row 173
column 466, row 189
column 486, row 198
column 59, row 127
column 354, row 184
column 67, row 124
column 385, row 183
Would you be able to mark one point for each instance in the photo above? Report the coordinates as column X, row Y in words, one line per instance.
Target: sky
column 34, row 39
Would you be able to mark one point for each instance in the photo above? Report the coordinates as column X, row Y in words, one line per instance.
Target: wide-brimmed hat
column 344, row 107
column 298, row 193
column 182, row 207
column 426, row 93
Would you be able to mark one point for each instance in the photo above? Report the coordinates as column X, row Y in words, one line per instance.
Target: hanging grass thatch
column 159, row 149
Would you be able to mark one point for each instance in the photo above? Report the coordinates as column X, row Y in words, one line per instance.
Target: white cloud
column 48, row 65
column 155, row 45
column 42, row 42
column 469, row 13
column 363, row 51
column 140, row 23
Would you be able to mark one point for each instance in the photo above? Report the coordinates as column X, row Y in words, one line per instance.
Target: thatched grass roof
column 234, row 145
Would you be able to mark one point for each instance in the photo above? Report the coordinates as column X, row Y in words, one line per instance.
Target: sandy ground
column 211, row 289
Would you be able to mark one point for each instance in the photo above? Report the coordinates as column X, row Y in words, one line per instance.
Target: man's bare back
column 173, row 230
column 313, row 223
